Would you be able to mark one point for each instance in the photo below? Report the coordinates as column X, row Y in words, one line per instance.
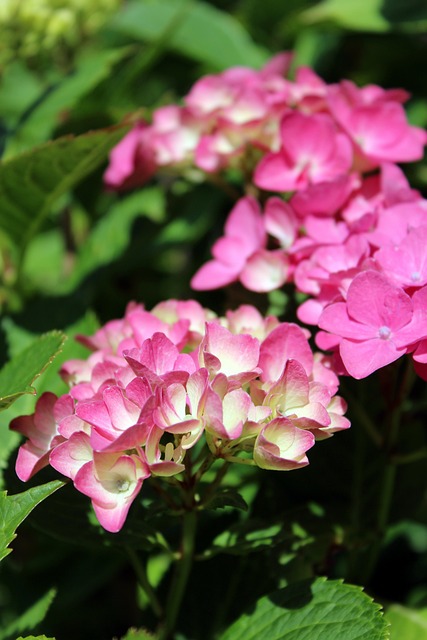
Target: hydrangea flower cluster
column 344, row 226
column 157, row 382
column 363, row 269
column 299, row 135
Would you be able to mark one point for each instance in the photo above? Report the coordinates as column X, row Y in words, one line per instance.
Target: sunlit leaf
column 14, row 509
column 406, row 623
column 30, row 618
column 312, row 610
column 93, row 67
column 17, row 376
column 31, row 182
column 196, row 29
column 358, row 15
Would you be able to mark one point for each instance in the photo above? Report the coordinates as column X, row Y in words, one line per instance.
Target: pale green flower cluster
column 34, row 28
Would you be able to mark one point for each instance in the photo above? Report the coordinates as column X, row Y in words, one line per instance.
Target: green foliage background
column 73, row 255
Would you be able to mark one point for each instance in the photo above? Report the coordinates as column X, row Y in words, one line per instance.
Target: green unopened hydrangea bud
column 37, row 28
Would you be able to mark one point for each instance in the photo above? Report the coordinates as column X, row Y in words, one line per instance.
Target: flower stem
column 390, row 467
column 181, row 575
column 144, row 583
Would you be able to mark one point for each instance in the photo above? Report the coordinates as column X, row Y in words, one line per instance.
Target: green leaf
column 312, row 610
column 195, row 29
column 19, row 88
column 246, row 537
column 31, row 182
column 14, row 509
column 31, row 618
column 407, row 624
column 17, row 376
column 357, row 15
column 92, row 67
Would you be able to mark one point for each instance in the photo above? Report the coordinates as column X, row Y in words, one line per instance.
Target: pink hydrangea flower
column 243, row 382
column 241, row 253
column 41, row 431
column 376, row 324
column 312, row 151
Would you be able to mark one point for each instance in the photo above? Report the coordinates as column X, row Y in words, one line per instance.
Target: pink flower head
column 245, row 383
column 282, row 446
column 236, row 356
column 379, row 130
column 376, row 324
column 241, row 253
column 283, row 343
column 112, row 481
column 41, row 429
column 311, row 151
column 406, row 263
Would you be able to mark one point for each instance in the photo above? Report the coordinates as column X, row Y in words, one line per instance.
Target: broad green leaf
column 18, row 338
column 14, row 509
column 195, row 29
column 407, row 624
column 93, row 67
column 17, row 376
column 358, row 15
column 245, row 538
column 312, row 610
column 72, row 349
column 19, row 88
column 414, row 532
column 46, row 264
column 31, row 182
column 31, row 618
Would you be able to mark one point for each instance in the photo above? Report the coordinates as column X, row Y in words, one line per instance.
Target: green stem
column 181, row 575
column 144, row 583
column 386, row 495
column 357, row 500
column 142, row 63
column 389, row 473
column 407, row 458
column 361, row 415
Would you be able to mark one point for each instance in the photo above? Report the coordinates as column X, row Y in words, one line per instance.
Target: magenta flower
column 312, row 151
column 131, row 161
column 406, row 263
column 376, row 324
column 379, row 130
column 241, row 253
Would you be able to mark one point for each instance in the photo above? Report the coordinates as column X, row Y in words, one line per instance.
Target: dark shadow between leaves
column 295, row 596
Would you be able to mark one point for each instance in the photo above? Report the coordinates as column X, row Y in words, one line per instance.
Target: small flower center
column 384, row 332
column 122, row 485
